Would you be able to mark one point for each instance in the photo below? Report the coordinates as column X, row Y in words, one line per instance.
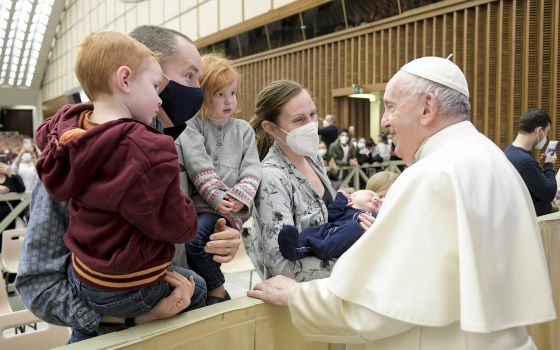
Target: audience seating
column 12, row 242
column 240, row 263
column 45, row 337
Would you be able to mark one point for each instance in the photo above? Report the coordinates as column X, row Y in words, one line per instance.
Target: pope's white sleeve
column 320, row 315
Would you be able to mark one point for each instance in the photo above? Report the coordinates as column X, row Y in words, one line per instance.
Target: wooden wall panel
column 508, row 50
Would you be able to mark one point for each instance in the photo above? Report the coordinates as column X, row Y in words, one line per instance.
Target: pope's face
column 402, row 117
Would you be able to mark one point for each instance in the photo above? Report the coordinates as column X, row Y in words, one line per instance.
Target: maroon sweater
column 121, row 181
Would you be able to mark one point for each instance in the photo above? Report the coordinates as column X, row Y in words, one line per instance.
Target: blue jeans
column 126, row 304
column 200, row 261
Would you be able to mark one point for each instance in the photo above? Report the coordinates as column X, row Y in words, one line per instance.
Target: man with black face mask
column 42, row 275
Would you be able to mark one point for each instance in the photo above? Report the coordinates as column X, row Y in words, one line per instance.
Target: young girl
column 222, row 162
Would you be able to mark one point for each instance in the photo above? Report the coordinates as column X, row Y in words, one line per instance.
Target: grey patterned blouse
column 286, row 197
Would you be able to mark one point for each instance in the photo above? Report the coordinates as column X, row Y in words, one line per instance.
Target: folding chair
column 12, row 242
column 240, row 263
column 43, row 338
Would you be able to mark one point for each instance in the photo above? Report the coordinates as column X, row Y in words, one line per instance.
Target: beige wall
column 195, row 18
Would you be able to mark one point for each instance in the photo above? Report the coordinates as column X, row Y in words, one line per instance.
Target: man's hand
column 224, row 243
column 366, row 220
column 274, row 290
column 353, row 163
column 177, row 301
column 550, row 158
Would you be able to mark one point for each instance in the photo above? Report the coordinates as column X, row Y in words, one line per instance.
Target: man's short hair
column 532, row 119
column 330, row 117
column 451, row 103
column 100, row 56
column 342, row 131
column 161, row 40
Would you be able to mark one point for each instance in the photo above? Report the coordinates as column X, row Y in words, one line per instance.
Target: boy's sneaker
column 215, row 300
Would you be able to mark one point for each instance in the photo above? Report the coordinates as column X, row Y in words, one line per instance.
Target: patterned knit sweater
column 220, row 160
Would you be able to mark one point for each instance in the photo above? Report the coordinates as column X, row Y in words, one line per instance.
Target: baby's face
column 366, row 200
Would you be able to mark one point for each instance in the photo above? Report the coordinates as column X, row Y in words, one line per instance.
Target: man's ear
column 430, row 109
column 123, row 78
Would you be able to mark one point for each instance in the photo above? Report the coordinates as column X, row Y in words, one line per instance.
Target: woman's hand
column 274, row 290
column 224, row 243
column 366, row 220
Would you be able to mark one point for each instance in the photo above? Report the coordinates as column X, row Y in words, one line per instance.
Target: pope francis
column 454, row 259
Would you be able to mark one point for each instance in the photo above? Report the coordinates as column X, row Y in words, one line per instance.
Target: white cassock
column 453, row 261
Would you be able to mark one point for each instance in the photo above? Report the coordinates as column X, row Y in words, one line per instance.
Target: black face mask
column 180, row 102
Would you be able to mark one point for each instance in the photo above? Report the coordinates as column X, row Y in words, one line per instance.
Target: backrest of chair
column 240, row 263
column 12, row 242
column 4, row 300
column 46, row 336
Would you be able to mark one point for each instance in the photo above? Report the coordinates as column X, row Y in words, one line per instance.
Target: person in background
column 534, row 126
column 24, row 165
column 343, row 153
column 380, row 182
column 366, row 152
column 9, row 182
column 454, row 259
column 329, row 131
column 383, row 147
column 222, row 163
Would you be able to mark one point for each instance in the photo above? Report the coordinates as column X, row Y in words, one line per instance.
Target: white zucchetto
column 439, row 70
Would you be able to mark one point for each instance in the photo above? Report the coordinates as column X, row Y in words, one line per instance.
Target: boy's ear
column 123, row 78
column 350, row 201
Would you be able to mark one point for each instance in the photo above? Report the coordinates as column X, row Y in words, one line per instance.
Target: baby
column 332, row 239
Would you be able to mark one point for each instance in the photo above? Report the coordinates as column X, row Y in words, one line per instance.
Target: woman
column 294, row 188
column 24, row 166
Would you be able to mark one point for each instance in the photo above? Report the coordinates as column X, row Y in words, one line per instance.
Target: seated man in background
column 534, row 127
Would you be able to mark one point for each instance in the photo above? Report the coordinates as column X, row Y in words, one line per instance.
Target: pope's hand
column 274, row 290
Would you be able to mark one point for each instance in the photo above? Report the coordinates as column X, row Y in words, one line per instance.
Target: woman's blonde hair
column 270, row 102
column 217, row 73
column 381, row 181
